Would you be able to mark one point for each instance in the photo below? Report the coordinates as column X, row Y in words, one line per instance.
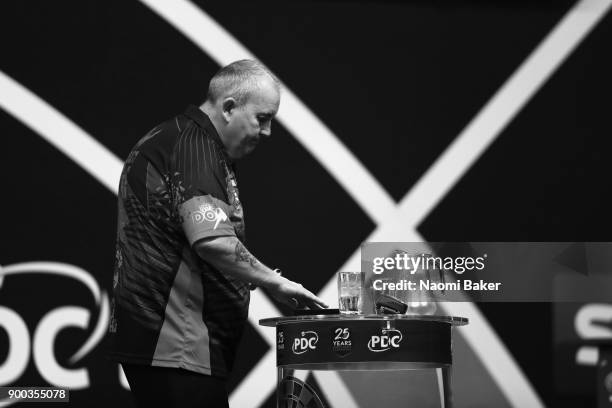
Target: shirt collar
column 202, row 119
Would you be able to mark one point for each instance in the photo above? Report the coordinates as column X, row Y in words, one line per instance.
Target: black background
column 395, row 81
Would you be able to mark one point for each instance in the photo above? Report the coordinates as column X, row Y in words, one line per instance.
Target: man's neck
column 210, row 111
column 217, row 121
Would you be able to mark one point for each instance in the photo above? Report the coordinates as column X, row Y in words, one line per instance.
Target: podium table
column 359, row 342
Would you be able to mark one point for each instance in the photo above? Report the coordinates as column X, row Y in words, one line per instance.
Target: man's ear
column 229, row 104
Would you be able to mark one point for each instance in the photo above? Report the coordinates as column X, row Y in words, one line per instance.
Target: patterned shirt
column 170, row 307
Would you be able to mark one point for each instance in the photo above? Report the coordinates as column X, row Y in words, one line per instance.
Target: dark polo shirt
column 171, row 308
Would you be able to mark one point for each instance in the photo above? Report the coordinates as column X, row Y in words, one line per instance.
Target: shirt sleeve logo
column 207, row 212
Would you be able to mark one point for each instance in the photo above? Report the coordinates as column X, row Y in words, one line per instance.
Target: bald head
column 239, row 80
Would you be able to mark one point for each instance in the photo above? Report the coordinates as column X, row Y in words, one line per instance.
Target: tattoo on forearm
column 243, row 254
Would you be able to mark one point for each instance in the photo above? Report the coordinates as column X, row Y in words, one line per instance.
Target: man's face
column 248, row 123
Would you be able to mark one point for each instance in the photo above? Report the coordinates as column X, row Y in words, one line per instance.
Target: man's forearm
column 230, row 256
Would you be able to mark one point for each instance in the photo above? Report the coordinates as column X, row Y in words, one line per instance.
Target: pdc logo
column 40, row 344
column 207, row 212
column 308, row 341
column 390, row 338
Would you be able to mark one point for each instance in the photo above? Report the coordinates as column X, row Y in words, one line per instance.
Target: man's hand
column 228, row 255
column 294, row 294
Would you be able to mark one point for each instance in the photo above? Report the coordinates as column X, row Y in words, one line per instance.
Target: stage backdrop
column 399, row 121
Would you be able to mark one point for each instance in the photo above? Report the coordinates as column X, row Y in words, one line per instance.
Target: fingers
column 312, row 301
column 318, row 304
column 291, row 302
column 303, row 302
column 318, row 301
column 296, row 296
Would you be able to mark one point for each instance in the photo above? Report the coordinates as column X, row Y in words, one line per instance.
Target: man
column 182, row 272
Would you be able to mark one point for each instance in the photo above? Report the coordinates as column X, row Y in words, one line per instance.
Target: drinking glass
column 350, row 285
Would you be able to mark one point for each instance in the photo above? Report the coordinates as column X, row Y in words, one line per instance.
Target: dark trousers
column 174, row 387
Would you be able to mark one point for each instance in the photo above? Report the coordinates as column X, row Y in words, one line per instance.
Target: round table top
column 274, row 321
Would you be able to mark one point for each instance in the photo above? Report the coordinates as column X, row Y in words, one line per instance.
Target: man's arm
column 230, row 256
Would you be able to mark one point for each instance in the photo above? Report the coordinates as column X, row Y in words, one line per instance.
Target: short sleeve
column 204, row 217
column 199, row 186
